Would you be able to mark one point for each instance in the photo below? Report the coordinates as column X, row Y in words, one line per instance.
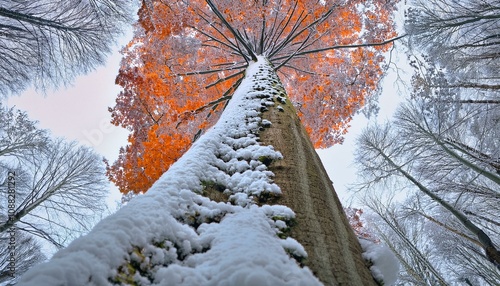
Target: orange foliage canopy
column 186, row 58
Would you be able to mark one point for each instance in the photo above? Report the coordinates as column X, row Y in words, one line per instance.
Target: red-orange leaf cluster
column 354, row 217
column 181, row 67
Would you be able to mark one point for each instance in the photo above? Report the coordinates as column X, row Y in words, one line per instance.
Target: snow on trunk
column 176, row 235
column 320, row 226
column 385, row 265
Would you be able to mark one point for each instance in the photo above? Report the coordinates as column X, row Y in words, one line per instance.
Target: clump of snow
column 172, row 235
column 294, row 247
column 266, row 123
column 281, row 99
column 385, row 268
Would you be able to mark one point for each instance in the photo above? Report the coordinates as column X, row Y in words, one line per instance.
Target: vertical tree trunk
column 334, row 253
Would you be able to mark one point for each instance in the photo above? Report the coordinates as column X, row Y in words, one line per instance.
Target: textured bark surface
column 334, row 253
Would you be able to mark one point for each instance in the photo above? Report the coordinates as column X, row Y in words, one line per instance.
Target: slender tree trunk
column 492, row 176
column 33, row 20
column 495, row 163
column 334, row 253
column 492, row 253
column 450, row 229
column 418, row 260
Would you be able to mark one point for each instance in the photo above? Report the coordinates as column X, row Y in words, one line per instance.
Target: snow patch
column 385, row 268
column 266, row 123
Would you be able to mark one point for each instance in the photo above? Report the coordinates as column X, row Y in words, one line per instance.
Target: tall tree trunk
column 200, row 236
column 334, row 253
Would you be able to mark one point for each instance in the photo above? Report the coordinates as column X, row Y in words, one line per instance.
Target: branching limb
column 235, row 33
column 337, row 47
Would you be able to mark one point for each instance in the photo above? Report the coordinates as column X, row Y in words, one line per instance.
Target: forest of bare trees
column 51, row 190
column 47, row 43
column 432, row 174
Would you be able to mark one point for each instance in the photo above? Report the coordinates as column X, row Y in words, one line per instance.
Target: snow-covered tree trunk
column 222, row 214
column 321, row 225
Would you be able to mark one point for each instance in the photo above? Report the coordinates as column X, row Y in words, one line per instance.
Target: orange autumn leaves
column 181, row 67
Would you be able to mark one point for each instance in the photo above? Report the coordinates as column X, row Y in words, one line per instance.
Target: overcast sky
column 79, row 112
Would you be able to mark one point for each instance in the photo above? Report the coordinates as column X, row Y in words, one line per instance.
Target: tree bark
column 334, row 253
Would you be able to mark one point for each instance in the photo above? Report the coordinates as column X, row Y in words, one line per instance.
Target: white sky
column 79, row 112
column 338, row 160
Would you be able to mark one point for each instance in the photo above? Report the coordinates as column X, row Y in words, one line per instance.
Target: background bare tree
column 19, row 135
column 28, row 253
column 407, row 237
column 441, row 150
column 445, row 155
column 49, row 42
column 460, row 41
column 60, row 186
column 60, row 191
column 463, row 35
